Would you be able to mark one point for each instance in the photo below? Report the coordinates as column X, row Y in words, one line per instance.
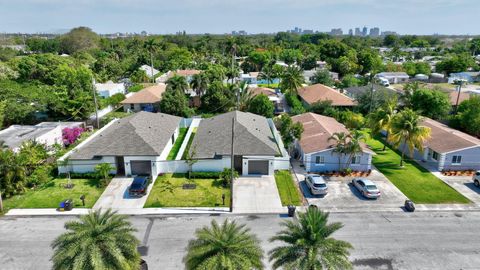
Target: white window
column 456, row 159
column 319, row 160
column 356, row 160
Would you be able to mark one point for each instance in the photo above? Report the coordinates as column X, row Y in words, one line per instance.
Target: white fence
column 202, row 165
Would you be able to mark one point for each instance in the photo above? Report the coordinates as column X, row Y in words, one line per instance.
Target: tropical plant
column 261, row 105
column 191, row 160
column 292, row 79
column 340, row 145
column 381, row 119
column 267, row 74
column 99, row 240
column 243, row 94
column 406, row 130
column 103, row 171
column 309, row 245
column 199, row 83
column 227, row 246
column 151, row 46
column 178, row 83
column 354, row 146
column 289, row 130
column 226, row 176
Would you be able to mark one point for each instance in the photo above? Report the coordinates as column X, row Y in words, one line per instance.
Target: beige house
column 147, row 99
column 319, row 92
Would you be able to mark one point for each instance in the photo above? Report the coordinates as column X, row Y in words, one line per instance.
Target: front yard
column 417, row 183
column 53, row 192
column 289, row 193
column 168, row 192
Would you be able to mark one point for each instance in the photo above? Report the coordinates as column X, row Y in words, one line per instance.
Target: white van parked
column 384, row 82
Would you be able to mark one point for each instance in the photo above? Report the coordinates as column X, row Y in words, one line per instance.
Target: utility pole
column 372, row 80
column 96, row 106
column 232, row 164
column 459, row 83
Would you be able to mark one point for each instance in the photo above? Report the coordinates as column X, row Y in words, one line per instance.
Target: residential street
column 427, row 240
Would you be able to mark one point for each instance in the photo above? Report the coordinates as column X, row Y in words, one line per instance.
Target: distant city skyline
column 220, row 16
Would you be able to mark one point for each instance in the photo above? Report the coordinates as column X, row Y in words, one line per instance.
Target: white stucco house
column 109, row 89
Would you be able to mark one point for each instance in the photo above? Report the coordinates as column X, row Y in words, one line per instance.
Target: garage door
column 258, row 167
column 141, row 167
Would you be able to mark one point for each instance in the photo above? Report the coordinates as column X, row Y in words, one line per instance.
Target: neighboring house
column 273, row 96
column 187, row 73
column 109, row 89
column 258, row 148
column 394, row 77
column 134, row 145
column 249, row 78
column 147, row 99
column 319, row 92
column 315, row 150
column 469, row 77
column 47, row 133
column 149, row 71
column 449, row 149
column 309, row 74
column 357, row 91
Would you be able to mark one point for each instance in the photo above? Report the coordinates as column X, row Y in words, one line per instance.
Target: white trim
column 453, row 151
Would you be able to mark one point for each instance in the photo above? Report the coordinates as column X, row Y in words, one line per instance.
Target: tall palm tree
column 267, row 74
column 354, row 145
column 151, row 46
column 381, row 119
column 226, row 246
column 99, row 240
column 177, row 83
column 340, row 145
column 199, row 83
column 406, row 130
column 309, row 245
column 243, row 95
column 292, row 79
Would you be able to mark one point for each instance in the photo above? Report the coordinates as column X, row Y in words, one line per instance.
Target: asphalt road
column 440, row 240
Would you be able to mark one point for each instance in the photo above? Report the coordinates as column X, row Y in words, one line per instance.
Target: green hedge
column 205, row 175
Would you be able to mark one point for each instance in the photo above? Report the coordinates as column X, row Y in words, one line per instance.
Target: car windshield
column 370, row 187
column 320, row 185
column 137, row 182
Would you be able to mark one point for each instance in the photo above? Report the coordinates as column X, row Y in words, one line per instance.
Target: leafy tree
column 217, row 99
column 292, row 79
column 7, row 73
column 178, row 83
column 99, row 240
column 175, row 102
column 309, row 62
column 431, row 103
column 323, row 76
column 259, row 59
column 291, row 56
column 468, row 116
column 79, row 39
column 370, row 61
column 13, row 172
column 289, row 130
column 323, row 107
column 455, row 63
column 3, row 105
column 351, row 119
column 369, row 101
column 216, row 73
column 296, row 106
column 414, row 68
column 350, row 81
column 261, row 105
column 406, row 130
column 224, row 246
column 139, row 76
column 103, row 170
column 115, row 99
column 308, row 244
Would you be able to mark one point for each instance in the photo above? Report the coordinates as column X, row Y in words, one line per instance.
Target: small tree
column 261, row 105
column 103, row 171
column 190, row 160
column 288, row 130
column 226, row 176
column 66, row 163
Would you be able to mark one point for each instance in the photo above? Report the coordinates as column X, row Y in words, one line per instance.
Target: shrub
column 40, row 175
column 205, row 175
column 70, row 135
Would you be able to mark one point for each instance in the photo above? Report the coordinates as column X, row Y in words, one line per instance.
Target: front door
column 120, row 162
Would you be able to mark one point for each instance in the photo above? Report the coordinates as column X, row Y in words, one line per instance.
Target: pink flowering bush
column 70, row 135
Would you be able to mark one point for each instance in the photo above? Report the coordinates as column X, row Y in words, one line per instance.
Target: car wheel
column 476, row 183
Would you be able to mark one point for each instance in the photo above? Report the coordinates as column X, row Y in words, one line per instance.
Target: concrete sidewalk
column 129, row 212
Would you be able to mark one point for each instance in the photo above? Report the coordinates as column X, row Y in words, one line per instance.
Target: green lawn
column 53, row 192
column 194, row 131
column 178, row 143
column 168, row 192
column 417, row 183
column 272, row 85
column 289, row 194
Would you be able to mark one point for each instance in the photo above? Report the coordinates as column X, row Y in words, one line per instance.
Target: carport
column 141, row 167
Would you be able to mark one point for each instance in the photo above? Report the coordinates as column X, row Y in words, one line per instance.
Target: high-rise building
column 350, row 32
column 357, row 31
column 365, row 31
column 336, row 32
column 375, row 32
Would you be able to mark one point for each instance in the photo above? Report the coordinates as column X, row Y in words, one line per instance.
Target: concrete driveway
column 343, row 196
column 256, row 195
column 116, row 195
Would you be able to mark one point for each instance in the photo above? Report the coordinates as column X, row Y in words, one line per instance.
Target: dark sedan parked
column 138, row 188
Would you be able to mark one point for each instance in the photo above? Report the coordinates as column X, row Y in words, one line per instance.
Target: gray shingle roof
column 252, row 136
column 141, row 134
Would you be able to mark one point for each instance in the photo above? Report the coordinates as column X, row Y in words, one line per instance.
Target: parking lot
column 343, row 196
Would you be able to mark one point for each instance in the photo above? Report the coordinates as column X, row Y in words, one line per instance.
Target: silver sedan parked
column 316, row 184
column 366, row 187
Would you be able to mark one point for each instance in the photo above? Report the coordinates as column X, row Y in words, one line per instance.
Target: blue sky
column 254, row 16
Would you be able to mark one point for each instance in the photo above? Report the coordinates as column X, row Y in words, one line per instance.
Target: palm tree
column 151, row 46
column 340, row 145
column 267, row 74
column 178, row 83
column 354, row 145
column 309, row 245
column 99, row 240
column 199, row 83
column 227, row 246
column 103, row 170
column 381, row 119
column 243, row 94
column 406, row 130
column 292, row 79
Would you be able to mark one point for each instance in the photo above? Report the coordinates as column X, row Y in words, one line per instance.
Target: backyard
column 289, row 193
column 178, row 143
column 416, row 182
column 189, row 144
column 168, row 191
column 53, row 192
